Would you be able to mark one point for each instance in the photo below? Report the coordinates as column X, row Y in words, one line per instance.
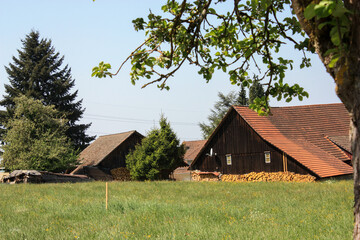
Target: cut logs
column 268, row 177
column 121, row 174
column 251, row 177
column 205, row 176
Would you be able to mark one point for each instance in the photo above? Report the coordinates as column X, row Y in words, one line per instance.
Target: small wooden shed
column 309, row 139
column 107, row 152
column 192, row 149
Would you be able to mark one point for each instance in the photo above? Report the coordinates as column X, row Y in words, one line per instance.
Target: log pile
column 3, row 175
column 268, row 177
column 33, row 176
column 205, row 176
column 120, row 174
column 23, row 176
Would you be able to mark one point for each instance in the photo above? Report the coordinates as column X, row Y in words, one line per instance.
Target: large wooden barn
column 106, row 153
column 309, row 139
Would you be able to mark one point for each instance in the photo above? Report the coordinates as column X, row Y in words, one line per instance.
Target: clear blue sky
column 87, row 32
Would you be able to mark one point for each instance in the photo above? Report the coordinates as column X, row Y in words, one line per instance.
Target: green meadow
column 177, row 210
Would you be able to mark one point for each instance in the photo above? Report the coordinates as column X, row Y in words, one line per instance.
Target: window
column 267, row 157
column 228, row 159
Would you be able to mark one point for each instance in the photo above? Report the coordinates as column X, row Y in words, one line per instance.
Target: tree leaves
column 337, row 18
column 36, row 138
column 243, row 41
column 102, row 71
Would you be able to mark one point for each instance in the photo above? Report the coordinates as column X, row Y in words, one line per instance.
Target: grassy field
column 177, row 210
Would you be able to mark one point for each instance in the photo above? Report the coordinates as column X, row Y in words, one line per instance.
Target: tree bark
column 346, row 74
column 355, row 138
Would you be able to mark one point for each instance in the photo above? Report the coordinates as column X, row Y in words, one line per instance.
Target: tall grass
column 177, row 210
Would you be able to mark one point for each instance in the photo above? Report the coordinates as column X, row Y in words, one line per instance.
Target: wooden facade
column 238, row 149
column 116, row 158
column 106, row 153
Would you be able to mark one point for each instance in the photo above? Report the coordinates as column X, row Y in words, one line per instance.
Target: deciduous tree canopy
column 36, row 138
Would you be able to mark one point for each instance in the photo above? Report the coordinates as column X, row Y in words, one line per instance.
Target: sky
column 87, row 32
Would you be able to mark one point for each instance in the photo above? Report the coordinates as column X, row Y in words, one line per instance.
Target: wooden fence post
column 107, row 196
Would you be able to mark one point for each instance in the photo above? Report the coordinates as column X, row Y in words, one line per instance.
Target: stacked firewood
column 268, row 177
column 121, row 174
column 204, row 176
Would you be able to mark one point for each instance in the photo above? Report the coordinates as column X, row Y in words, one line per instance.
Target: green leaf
column 333, row 61
column 335, row 37
column 340, row 10
column 309, row 12
column 324, row 8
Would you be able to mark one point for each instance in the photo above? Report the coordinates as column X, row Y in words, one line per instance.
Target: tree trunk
column 355, row 139
column 346, row 74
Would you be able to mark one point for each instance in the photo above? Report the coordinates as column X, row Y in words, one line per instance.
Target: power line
column 148, row 108
column 107, row 133
column 132, row 120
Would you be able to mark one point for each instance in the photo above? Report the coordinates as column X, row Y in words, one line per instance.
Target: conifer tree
column 242, row 99
column 225, row 102
column 256, row 91
column 159, row 154
column 37, row 72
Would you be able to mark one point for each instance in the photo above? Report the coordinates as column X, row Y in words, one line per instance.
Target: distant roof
column 193, row 148
column 342, row 141
column 301, row 132
column 102, row 147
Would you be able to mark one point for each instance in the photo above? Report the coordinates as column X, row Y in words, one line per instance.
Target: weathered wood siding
column 247, row 151
column 116, row 158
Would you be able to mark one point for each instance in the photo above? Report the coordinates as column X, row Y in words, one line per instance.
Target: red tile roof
column 341, row 141
column 301, row 132
column 193, row 148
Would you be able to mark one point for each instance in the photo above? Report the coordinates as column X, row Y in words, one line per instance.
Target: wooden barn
column 106, row 153
column 309, row 139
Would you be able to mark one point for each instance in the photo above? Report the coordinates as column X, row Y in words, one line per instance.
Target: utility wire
column 148, row 108
column 131, row 120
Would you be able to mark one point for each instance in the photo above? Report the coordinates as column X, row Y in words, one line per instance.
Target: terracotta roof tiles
column 193, row 148
column 301, row 132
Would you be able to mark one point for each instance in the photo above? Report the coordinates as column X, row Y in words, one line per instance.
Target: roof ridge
column 117, row 133
column 195, row 140
column 295, row 106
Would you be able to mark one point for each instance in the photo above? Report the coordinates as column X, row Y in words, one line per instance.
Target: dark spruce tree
column 38, row 73
column 256, row 91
